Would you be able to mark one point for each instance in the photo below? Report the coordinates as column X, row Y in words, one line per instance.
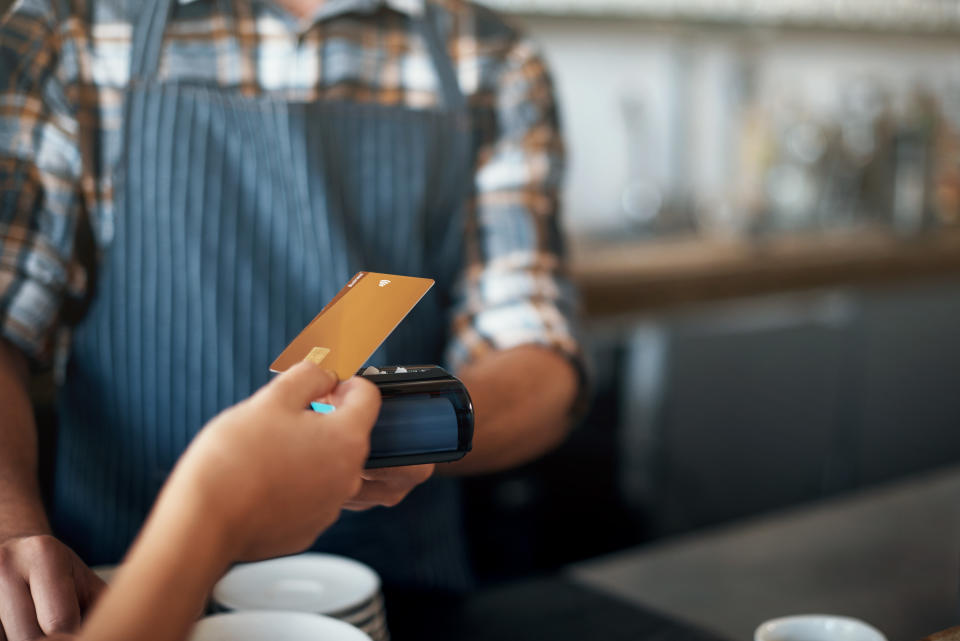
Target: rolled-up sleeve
column 515, row 290
column 40, row 170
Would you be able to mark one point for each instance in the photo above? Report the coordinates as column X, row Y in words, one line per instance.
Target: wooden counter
column 887, row 555
column 634, row 278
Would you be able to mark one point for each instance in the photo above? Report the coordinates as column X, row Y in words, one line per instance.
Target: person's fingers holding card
column 300, row 385
column 278, row 471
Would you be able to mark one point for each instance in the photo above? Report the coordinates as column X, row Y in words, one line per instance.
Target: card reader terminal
column 426, row 416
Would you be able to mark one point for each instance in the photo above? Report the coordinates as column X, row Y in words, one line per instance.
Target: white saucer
column 312, row 583
column 357, row 616
column 274, row 626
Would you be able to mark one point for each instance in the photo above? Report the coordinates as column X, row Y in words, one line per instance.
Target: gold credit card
column 355, row 323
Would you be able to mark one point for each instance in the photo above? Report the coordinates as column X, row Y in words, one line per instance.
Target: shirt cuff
column 499, row 330
column 28, row 313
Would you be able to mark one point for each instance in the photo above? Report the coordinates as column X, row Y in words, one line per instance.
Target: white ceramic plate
column 313, row 583
column 817, row 627
column 274, row 626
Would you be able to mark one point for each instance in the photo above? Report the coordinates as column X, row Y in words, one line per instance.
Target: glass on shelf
column 886, row 156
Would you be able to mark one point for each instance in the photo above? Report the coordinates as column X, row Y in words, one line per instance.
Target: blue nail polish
column 322, row 408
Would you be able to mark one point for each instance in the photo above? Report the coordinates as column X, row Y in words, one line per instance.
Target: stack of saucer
column 269, row 626
column 309, row 583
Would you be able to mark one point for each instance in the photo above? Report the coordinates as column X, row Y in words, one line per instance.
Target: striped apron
column 238, row 218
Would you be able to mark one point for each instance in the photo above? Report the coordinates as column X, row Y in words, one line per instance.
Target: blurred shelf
column 623, row 279
column 901, row 16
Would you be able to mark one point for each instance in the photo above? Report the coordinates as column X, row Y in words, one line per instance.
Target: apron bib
column 238, row 218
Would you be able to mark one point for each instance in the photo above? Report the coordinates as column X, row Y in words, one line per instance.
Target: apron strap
column 446, row 72
column 148, row 32
column 148, row 38
column 152, row 22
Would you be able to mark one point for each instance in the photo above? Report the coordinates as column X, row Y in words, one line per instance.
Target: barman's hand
column 44, row 588
column 388, row 486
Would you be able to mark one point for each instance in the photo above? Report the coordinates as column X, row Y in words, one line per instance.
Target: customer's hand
column 388, row 486
column 275, row 472
column 44, row 588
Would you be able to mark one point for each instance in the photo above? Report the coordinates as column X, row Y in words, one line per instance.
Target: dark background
column 755, row 406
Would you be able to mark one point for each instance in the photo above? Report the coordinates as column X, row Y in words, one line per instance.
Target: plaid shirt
column 64, row 66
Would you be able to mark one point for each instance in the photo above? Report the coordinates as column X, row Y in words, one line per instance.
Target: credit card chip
column 317, row 354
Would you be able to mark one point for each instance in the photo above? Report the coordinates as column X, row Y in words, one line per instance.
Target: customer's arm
column 514, row 344
column 261, row 480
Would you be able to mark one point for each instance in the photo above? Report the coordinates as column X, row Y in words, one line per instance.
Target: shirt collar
column 336, row 7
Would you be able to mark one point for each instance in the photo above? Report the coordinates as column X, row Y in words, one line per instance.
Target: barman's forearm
column 522, row 399
column 21, row 507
